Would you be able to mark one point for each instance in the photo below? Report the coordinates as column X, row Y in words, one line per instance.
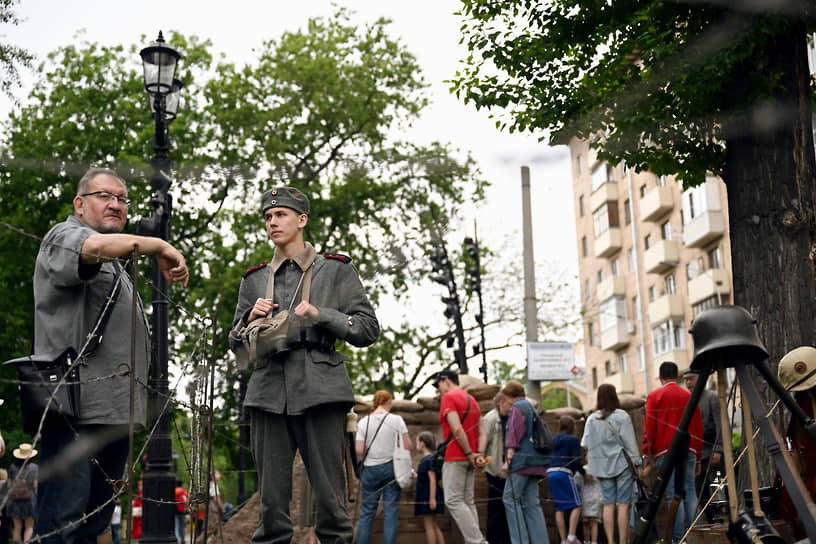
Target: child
column 591, row 513
column 429, row 499
column 565, row 464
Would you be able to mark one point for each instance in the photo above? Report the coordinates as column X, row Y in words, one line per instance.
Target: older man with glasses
column 76, row 269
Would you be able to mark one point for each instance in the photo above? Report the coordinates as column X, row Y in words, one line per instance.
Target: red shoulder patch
column 252, row 269
column 338, row 257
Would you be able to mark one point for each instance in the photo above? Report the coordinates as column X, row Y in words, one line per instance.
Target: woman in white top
column 377, row 435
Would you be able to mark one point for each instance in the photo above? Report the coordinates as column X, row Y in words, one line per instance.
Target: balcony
column 704, row 228
column 616, row 337
column 677, row 356
column 608, row 243
column 709, row 284
column 607, row 192
column 657, row 203
column 662, row 256
column 665, row 307
column 622, row 381
column 614, row 286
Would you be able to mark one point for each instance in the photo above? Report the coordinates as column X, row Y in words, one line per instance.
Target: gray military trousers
column 320, row 436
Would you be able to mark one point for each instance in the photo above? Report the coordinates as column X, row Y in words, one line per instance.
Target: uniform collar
column 304, row 259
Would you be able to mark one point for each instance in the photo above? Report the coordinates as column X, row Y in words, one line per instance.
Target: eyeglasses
column 107, row 197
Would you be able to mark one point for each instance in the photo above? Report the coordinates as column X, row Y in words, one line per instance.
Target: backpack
column 18, row 491
column 542, row 438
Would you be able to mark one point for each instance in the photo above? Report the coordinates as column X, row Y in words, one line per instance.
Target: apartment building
column 651, row 256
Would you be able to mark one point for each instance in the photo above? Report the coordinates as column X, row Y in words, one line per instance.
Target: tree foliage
column 12, row 57
column 321, row 108
column 652, row 83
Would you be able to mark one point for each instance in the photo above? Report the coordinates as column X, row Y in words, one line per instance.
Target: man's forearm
column 104, row 247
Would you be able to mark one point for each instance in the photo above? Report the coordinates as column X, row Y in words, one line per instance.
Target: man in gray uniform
column 74, row 273
column 298, row 397
column 712, row 440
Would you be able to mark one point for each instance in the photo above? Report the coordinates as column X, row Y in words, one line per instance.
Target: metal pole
column 158, row 480
column 530, row 303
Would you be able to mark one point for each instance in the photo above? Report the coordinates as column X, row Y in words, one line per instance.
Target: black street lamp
column 160, row 61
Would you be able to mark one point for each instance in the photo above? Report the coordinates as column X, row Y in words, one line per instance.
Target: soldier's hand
column 261, row 309
column 305, row 310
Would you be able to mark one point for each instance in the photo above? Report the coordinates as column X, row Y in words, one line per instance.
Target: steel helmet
column 727, row 333
column 797, row 369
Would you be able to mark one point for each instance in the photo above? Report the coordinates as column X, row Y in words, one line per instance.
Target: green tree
column 318, row 109
column 12, row 57
column 675, row 88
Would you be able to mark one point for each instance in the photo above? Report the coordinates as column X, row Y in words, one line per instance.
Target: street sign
column 550, row 361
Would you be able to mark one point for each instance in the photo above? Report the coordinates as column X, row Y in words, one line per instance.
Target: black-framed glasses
column 107, row 197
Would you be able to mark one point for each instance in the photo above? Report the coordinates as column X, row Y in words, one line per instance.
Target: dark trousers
column 702, row 485
column 497, row 529
column 319, row 434
column 77, row 469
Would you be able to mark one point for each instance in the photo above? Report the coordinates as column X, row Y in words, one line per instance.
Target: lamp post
column 163, row 89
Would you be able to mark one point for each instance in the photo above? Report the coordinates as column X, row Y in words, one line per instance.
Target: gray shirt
column 710, row 412
column 68, row 298
column 605, row 439
column 295, row 380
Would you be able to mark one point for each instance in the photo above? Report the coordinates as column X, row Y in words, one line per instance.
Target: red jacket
column 664, row 409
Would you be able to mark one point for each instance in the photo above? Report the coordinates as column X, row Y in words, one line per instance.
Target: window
column 613, row 311
column 627, row 212
column 631, row 257
column 622, row 366
column 616, row 266
column 636, row 307
column 668, row 336
column 666, row 230
column 701, row 199
column 602, row 174
column 600, row 276
column 714, row 258
column 661, row 181
column 707, row 304
column 594, row 378
column 607, row 368
column 605, row 217
column 671, row 285
column 593, row 338
column 588, row 289
column 652, row 293
column 641, row 358
column 647, row 241
column 581, row 208
column 642, row 191
column 578, row 166
column 584, row 246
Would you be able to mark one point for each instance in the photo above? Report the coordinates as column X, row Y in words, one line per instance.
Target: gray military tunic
column 293, row 381
column 68, row 297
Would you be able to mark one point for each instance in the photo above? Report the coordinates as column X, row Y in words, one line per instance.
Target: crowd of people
column 291, row 313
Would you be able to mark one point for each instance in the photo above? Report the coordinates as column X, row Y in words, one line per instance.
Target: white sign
column 550, row 361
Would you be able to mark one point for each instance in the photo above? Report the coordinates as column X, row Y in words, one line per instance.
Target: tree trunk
column 769, row 174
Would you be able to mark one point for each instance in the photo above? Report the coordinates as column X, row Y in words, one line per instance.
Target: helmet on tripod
column 797, row 369
column 725, row 331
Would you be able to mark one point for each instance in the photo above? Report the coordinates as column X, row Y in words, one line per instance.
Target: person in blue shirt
column 565, row 462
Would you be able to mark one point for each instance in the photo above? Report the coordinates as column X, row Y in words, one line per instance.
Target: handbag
column 358, row 468
column 402, row 464
column 50, row 382
column 270, row 334
column 439, row 453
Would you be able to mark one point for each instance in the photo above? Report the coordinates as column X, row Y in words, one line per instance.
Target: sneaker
column 572, row 540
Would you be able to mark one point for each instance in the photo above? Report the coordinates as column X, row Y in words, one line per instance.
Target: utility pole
column 530, row 303
column 475, row 274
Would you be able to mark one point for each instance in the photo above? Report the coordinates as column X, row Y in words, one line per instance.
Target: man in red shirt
column 181, row 512
column 459, row 415
column 664, row 409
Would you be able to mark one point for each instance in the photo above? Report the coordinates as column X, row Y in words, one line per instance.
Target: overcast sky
column 429, row 29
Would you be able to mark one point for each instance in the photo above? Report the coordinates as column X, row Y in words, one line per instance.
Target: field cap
column 285, row 197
